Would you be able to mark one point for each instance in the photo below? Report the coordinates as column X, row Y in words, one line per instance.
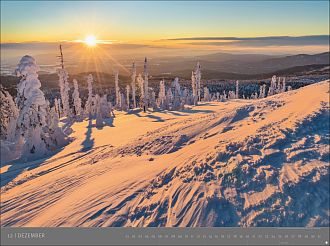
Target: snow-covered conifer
column 169, row 98
column 64, row 90
column 57, row 138
column 207, row 96
column 224, row 95
column 262, row 91
column 231, row 95
column 32, row 105
column 140, row 82
column 184, row 97
column 127, row 97
column 8, row 116
column 218, row 96
column 105, row 108
column 99, row 118
column 117, row 90
column 177, row 94
column 76, row 99
column 123, row 106
column 133, row 77
column 194, row 88
column 272, row 88
column 162, row 95
column 153, row 100
column 146, row 81
column 57, row 104
column 89, row 103
column 283, row 85
column 198, row 75
column 279, row 86
column 237, row 90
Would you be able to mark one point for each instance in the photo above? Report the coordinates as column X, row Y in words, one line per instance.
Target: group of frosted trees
column 277, row 86
column 31, row 123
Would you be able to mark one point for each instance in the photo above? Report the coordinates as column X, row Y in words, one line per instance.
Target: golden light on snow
column 90, row 40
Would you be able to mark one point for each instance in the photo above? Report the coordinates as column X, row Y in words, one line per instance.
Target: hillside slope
column 239, row 163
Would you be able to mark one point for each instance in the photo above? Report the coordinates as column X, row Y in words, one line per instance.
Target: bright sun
column 90, row 40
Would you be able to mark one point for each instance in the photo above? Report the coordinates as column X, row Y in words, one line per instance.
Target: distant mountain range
column 247, row 64
column 214, row 66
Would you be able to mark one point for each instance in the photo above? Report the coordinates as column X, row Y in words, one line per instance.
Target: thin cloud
column 259, row 41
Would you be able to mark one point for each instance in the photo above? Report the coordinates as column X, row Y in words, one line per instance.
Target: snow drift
column 241, row 163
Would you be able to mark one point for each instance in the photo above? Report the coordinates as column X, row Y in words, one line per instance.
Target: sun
column 90, row 40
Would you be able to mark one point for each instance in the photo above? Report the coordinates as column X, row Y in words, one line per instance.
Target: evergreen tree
column 207, row 96
column 133, row 77
column 127, row 97
column 177, row 95
column 99, row 118
column 89, row 103
column 76, row 99
column 32, row 106
column 64, row 90
column 8, row 116
column 117, row 90
column 162, row 95
column 237, row 90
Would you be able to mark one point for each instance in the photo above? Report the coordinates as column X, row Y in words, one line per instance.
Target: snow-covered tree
column 272, row 88
column 169, row 98
column 105, row 108
column 127, row 97
column 59, row 109
column 153, row 100
column 133, row 77
column 218, row 96
column 207, row 96
column 185, row 96
column 176, row 105
column 254, row 95
column 140, row 82
column 279, row 86
column 31, row 105
column 123, row 106
column 224, row 95
column 56, row 107
column 284, row 85
column 198, row 76
column 289, row 88
column 146, row 82
column 8, row 116
column 64, row 90
column 231, row 95
column 194, row 88
column 262, row 91
column 99, row 118
column 56, row 138
column 89, row 104
column 162, row 95
column 237, row 90
column 76, row 99
column 117, row 90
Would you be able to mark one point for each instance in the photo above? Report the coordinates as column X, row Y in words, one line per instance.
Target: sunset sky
column 24, row 21
column 236, row 26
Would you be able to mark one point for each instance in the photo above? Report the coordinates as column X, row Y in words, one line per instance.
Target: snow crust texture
column 245, row 163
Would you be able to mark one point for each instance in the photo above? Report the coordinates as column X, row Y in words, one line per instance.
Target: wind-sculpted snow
column 239, row 163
